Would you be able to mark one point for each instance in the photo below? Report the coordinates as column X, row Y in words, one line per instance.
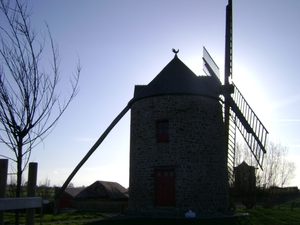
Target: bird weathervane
column 175, row 51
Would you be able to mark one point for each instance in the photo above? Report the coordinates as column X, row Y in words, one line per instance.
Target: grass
column 64, row 218
column 257, row 216
column 282, row 215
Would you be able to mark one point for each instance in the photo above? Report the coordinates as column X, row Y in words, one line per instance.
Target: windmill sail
column 210, row 68
column 228, row 123
column 242, row 116
column 251, row 128
column 237, row 112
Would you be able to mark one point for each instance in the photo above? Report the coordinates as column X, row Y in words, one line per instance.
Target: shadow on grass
column 150, row 221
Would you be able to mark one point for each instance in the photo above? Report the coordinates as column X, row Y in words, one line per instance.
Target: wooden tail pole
column 91, row 151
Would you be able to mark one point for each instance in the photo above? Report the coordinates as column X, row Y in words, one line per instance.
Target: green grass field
column 278, row 215
column 257, row 216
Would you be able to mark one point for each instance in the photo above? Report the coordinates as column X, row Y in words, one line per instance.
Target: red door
column 64, row 202
column 165, row 187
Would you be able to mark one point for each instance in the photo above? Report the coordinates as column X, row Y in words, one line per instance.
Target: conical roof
column 177, row 78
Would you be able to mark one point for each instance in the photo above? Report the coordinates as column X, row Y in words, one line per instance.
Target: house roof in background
column 72, row 192
column 104, row 189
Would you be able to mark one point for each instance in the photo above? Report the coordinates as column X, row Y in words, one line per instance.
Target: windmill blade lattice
column 242, row 117
column 253, row 131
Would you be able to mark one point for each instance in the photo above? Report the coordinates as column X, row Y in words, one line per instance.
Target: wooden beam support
column 31, row 189
column 20, row 203
column 3, row 180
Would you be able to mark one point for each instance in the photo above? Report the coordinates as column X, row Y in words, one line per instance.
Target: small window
column 162, row 131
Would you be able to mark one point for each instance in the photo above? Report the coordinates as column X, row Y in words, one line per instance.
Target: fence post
column 3, row 182
column 31, row 189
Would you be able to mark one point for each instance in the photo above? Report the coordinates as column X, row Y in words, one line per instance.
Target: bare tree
column 277, row 170
column 30, row 106
column 12, row 187
column 71, row 185
column 243, row 154
column 287, row 172
column 44, row 190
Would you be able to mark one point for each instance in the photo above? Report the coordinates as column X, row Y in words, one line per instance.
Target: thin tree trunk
column 19, row 179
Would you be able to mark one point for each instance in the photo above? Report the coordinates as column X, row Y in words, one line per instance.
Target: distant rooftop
column 104, row 189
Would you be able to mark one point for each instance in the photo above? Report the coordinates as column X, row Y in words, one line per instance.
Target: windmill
column 237, row 112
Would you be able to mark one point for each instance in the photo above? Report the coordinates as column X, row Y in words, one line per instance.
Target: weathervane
column 175, row 51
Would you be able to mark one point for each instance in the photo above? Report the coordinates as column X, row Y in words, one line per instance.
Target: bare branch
column 30, row 104
column 278, row 171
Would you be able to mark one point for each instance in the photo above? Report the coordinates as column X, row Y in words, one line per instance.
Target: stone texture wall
column 196, row 151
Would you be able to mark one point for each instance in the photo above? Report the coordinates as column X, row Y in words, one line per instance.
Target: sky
column 124, row 43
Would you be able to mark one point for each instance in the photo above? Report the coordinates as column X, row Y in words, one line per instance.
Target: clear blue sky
column 123, row 43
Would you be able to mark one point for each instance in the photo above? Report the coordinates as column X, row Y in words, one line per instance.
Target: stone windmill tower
column 182, row 138
column 178, row 154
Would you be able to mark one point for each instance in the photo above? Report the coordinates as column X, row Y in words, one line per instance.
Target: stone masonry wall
column 196, row 150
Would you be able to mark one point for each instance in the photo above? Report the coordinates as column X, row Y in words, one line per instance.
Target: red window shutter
column 162, row 131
